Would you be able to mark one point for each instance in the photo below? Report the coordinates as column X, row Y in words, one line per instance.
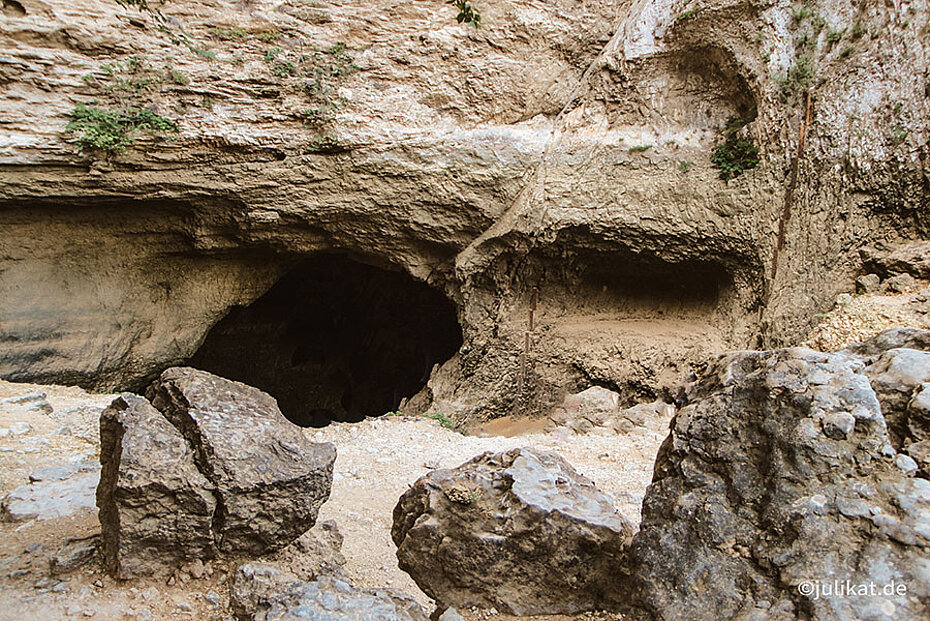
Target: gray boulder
column 765, row 493
column 270, row 480
column 519, row 531
column 895, row 338
column 156, row 509
column 895, row 376
column 263, row 592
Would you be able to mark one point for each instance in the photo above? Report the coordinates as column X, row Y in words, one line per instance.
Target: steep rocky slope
column 550, row 173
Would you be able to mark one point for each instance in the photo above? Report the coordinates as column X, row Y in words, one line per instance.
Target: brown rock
column 270, row 480
column 156, row 508
column 519, row 531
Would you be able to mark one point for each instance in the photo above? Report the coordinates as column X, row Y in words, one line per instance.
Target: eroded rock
column 263, row 592
column 270, row 480
column 156, row 508
column 519, row 531
column 599, row 409
column 764, row 493
column 75, row 553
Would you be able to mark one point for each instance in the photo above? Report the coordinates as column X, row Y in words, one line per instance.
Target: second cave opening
column 335, row 339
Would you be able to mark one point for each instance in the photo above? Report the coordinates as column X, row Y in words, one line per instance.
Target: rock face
column 262, row 592
column 519, row 531
column 912, row 259
column 217, row 469
column 156, row 508
column 270, row 481
column 556, row 161
column 778, row 479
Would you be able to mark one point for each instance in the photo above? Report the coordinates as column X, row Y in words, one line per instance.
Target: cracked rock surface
column 212, row 467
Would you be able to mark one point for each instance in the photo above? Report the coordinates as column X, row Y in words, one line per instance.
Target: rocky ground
column 378, row 459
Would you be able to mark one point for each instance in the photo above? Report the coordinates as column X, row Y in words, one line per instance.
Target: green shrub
column 734, row 158
column 227, row 34
column 467, row 13
column 178, row 77
column 112, row 131
column 444, row 420
column 639, row 148
column 284, row 69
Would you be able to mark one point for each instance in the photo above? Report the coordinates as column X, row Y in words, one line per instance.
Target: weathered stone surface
column 318, row 552
column 156, row 509
column 75, row 553
column 757, row 499
column 911, row 259
column 519, row 531
column 895, row 376
column 598, row 409
column 896, row 338
column 263, row 592
column 563, row 147
column 270, row 480
column 55, row 497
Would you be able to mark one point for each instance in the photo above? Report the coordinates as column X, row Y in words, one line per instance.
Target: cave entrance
column 335, row 339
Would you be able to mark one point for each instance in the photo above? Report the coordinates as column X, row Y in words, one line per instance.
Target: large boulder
column 264, row 592
column 519, row 531
column 898, row 366
column 777, row 483
column 270, row 480
column 156, row 508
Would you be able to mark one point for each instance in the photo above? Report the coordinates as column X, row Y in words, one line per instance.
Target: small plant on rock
column 467, row 13
column 112, row 131
column 735, row 155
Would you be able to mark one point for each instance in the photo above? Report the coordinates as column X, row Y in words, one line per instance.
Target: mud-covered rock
column 270, row 480
column 263, row 592
column 763, row 497
column 156, row 508
column 518, row 531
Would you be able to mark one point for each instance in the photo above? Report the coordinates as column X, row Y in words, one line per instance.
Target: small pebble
column 20, row 428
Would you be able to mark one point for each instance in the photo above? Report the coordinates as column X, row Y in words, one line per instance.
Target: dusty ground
column 377, row 460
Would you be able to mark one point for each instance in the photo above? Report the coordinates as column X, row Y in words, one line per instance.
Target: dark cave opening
column 335, row 339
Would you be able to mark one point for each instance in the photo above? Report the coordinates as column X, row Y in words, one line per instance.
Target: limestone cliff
column 550, row 173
